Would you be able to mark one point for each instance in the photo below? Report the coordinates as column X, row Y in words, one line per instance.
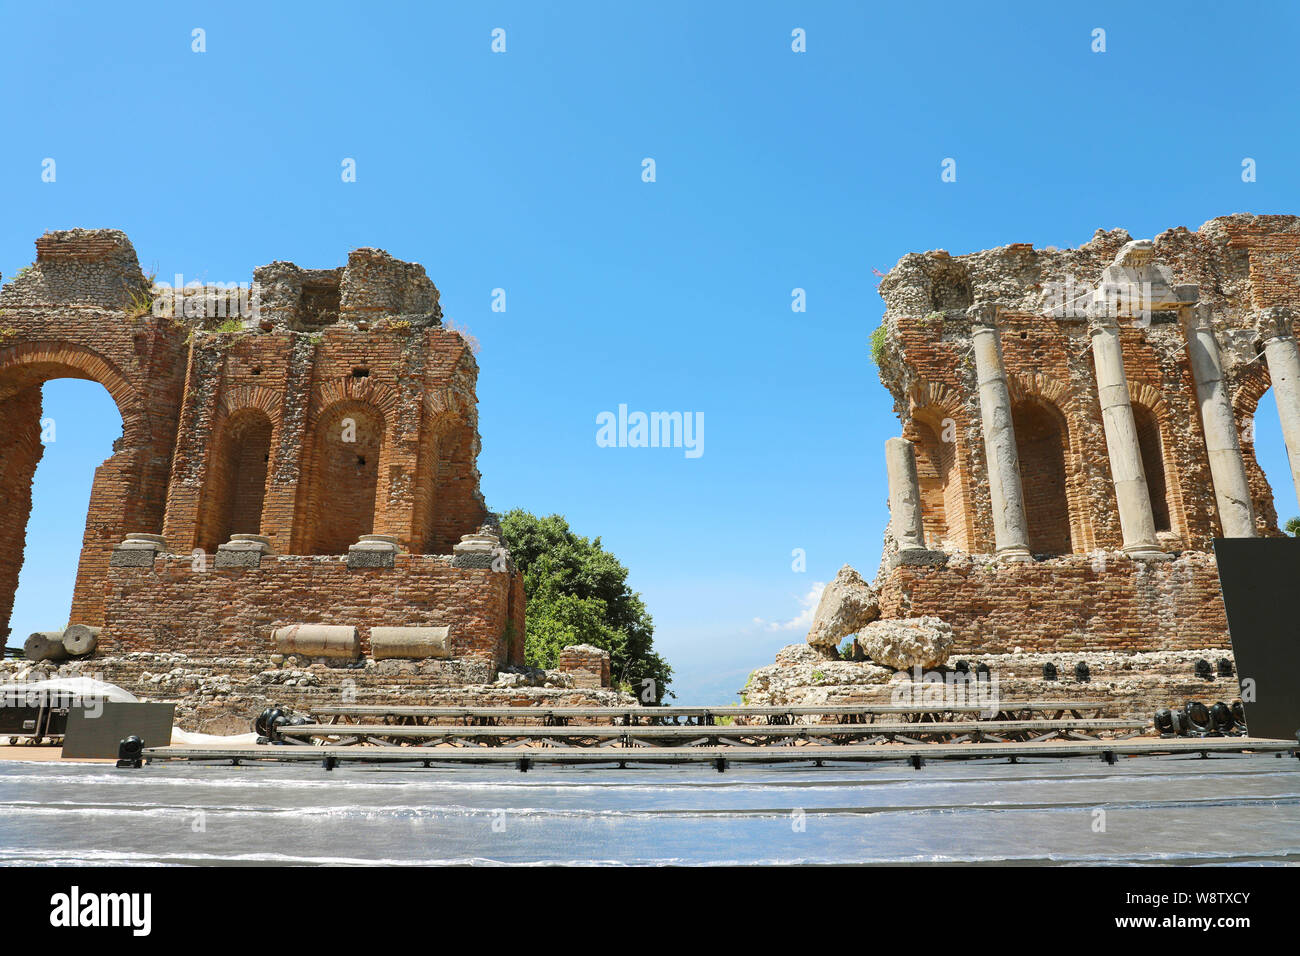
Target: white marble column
column 904, row 495
column 1276, row 328
column 1010, row 528
column 1131, row 492
column 1227, row 470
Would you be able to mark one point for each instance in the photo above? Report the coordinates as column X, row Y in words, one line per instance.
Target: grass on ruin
column 878, row 344
column 140, row 301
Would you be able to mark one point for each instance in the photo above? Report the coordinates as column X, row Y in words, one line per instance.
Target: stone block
column 318, row 640
column 412, row 643
column 237, row 558
column 373, row 551
column 124, row 557
column 917, row 558
column 360, row 558
column 472, row 559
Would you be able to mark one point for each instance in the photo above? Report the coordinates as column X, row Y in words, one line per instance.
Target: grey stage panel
column 1260, row 578
column 89, row 736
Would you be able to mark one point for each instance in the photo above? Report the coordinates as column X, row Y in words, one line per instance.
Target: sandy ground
column 49, row 754
column 38, row 754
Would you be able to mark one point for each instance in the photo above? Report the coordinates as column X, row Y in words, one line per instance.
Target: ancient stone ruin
column 1077, row 426
column 294, row 500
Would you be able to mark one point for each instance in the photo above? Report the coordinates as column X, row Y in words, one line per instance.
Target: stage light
column 1239, row 716
column 1198, row 716
column 1225, row 667
column 1164, row 722
column 259, row 723
column 130, row 751
column 1049, row 671
column 1081, row 672
column 1221, row 714
column 1203, row 670
column 270, row 718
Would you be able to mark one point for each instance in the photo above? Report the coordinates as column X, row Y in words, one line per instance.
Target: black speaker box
column 1261, row 583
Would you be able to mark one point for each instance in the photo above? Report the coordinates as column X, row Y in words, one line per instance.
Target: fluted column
column 1131, row 492
column 1276, row 328
column 904, row 495
column 1010, row 529
column 1227, row 470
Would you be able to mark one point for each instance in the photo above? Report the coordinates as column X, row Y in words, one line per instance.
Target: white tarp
column 64, row 690
column 61, row 688
column 186, row 738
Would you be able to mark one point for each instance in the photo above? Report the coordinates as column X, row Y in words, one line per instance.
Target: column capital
column 1275, row 322
column 984, row 314
column 1101, row 318
column 1197, row 316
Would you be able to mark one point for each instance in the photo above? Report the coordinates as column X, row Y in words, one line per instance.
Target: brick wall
column 1070, row 603
column 588, row 665
column 75, row 314
column 340, row 408
column 1238, row 263
column 232, row 612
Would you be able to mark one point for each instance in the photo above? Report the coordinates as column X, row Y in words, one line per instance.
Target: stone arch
column 936, row 429
column 1047, row 417
column 350, row 388
column 1151, row 446
column 28, row 364
column 446, row 473
column 236, row 477
column 1249, row 390
column 950, row 286
column 266, row 400
column 340, row 490
column 122, row 497
column 1159, row 462
column 1040, row 443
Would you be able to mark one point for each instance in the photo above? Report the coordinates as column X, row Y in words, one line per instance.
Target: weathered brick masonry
column 232, row 612
column 1077, row 427
column 1067, row 605
column 303, row 455
column 1086, row 586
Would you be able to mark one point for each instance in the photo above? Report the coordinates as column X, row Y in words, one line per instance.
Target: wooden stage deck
column 525, row 737
column 623, row 716
column 525, row 758
column 605, row 735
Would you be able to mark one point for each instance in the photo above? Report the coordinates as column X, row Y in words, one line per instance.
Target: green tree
column 1292, row 527
column 577, row 594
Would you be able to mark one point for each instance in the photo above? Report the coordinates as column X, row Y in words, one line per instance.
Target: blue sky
column 522, row 171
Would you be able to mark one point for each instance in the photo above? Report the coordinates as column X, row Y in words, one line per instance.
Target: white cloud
column 803, row 620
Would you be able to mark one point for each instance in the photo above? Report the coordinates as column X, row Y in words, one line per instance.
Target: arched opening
column 58, row 482
column 1152, row 447
column 236, row 483
column 950, row 287
column 943, row 510
column 446, row 500
column 342, row 477
column 1041, row 437
column 1271, row 477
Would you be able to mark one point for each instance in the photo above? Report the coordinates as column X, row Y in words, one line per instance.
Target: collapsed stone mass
column 309, row 464
column 1077, row 426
